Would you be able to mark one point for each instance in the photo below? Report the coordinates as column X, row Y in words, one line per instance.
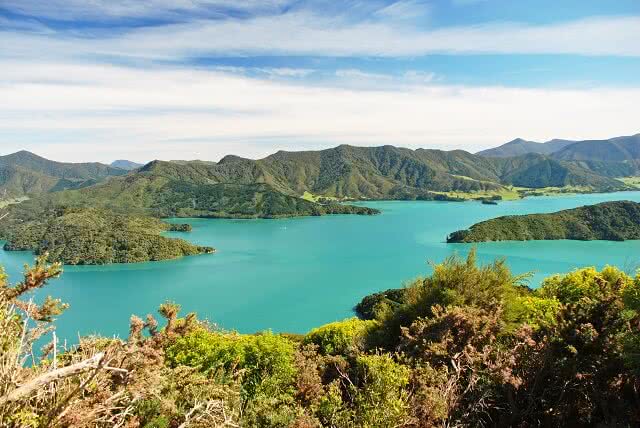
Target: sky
column 99, row 80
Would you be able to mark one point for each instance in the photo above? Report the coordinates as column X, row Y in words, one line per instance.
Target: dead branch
column 54, row 375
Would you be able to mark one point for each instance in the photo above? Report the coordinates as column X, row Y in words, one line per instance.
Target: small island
column 611, row 221
column 180, row 227
column 489, row 202
column 79, row 236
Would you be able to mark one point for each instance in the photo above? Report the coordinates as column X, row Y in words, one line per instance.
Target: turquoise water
column 294, row 274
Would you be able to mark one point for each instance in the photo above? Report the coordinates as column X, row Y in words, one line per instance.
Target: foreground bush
column 467, row 346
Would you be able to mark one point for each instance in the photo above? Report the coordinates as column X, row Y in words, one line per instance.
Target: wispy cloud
column 171, row 113
column 308, row 34
column 100, row 10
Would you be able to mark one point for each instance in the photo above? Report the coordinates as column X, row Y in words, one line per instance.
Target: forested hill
column 344, row 172
column 389, row 172
column 165, row 189
column 614, row 221
column 620, row 149
column 617, row 149
column 24, row 173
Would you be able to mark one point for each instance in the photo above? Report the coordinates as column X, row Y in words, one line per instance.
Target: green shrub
column 265, row 360
column 382, row 398
column 341, row 337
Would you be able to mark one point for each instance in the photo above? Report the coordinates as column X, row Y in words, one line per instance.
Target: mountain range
column 618, row 149
column 343, row 172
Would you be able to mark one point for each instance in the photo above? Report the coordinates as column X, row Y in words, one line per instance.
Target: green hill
column 389, row 172
column 24, row 173
column 613, row 221
column 165, row 189
column 620, row 149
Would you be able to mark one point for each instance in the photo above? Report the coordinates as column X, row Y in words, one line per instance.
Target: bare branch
column 46, row 378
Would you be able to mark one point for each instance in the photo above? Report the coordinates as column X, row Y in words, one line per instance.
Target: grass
column 631, row 181
column 5, row 203
column 506, row 193
column 308, row 196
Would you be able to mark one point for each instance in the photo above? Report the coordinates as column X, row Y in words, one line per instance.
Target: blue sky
column 138, row 79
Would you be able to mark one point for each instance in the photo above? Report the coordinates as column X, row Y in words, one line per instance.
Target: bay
column 295, row 274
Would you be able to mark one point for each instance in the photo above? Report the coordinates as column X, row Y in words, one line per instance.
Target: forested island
column 468, row 345
column 612, row 221
column 93, row 236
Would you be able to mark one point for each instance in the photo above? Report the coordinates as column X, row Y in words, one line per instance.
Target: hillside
column 165, row 189
column 613, row 221
column 91, row 236
column 520, row 147
column 620, row 149
column 24, row 173
column 389, row 172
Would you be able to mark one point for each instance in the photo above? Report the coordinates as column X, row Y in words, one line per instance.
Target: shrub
column 341, row 337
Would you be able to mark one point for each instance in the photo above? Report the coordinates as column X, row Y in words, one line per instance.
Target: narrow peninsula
column 611, row 221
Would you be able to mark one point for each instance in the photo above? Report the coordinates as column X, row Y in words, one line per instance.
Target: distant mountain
column 389, row 172
column 520, row 147
column 619, row 149
column 125, row 164
column 613, row 221
column 24, row 173
column 537, row 171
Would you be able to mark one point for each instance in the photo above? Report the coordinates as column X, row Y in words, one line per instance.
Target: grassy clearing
column 506, row 193
column 5, row 203
column 631, row 181
column 308, row 196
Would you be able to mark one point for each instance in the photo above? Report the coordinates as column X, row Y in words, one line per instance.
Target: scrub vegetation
column 468, row 345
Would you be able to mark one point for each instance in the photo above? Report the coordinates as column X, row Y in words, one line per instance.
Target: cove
column 295, row 274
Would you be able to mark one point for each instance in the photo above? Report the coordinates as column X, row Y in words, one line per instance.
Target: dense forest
column 613, row 221
column 92, row 236
column 468, row 345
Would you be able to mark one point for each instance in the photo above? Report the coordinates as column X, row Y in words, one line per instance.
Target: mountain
column 389, row 172
column 166, row 189
column 613, row 221
column 520, row 147
column 537, row 171
column 24, row 173
column 619, row 149
column 125, row 164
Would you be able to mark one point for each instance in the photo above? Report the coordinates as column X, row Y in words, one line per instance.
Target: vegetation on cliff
column 467, row 346
column 92, row 236
column 613, row 221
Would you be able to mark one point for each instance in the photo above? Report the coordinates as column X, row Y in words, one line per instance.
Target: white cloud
column 356, row 74
column 69, row 10
column 89, row 112
column 304, row 33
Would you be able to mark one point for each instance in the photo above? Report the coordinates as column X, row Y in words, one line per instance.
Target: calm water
column 294, row 274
